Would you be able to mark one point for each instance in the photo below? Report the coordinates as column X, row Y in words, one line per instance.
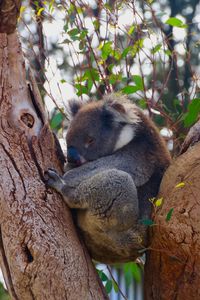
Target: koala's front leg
column 67, row 188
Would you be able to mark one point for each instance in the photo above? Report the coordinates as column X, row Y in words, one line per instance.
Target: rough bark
column 173, row 264
column 40, row 253
column 192, row 137
column 9, row 12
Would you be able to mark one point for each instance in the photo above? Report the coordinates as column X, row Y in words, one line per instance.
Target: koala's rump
column 108, row 245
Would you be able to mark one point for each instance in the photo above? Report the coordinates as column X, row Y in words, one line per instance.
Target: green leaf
column 116, row 54
column 126, row 51
column 71, row 9
column 193, row 112
column 137, row 46
column 56, row 120
column 89, row 84
column 40, row 11
column 82, row 44
column 102, row 275
column 62, row 80
column 83, row 33
column 115, row 286
column 156, row 48
column 169, row 215
column 177, row 106
column 80, row 10
column 130, row 89
column 142, row 103
column 128, row 276
column 108, row 286
column 131, row 29
column 168, row 52
column 96, row 24
column 73, row 32
column 106, row 50
column 81, row 89
column 138, row 81
column 131, row 271
column 159, row 202
column 106, row 5
column 175, row 22
column 135, row 271
column 91, row 75
column 113, row 78
column 66, row 41
column 159, row 120
column 147, row 222
column 22, row 9
column 180, row 185
column 65, row 27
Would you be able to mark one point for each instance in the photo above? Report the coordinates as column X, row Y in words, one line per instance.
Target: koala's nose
column 73, row 155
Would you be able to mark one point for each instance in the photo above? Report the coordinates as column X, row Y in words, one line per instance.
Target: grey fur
column 111, row 191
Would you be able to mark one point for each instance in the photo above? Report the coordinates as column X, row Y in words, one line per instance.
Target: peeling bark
column 172, row 270
column 40, row 253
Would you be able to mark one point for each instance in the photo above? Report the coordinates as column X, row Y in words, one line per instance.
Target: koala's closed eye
column 89, row 141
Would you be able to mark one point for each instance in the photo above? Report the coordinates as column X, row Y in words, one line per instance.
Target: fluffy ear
column 118, row 107
column 123, row 111
column 73, row 108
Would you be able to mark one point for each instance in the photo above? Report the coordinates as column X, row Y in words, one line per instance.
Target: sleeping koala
column 119, row 159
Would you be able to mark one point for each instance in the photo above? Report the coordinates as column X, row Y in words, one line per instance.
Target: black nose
column 73, row 156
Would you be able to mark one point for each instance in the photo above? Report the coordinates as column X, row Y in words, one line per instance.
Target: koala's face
column 97, row 130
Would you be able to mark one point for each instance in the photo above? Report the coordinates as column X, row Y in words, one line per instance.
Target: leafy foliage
column 104, row 52
column 131, row 271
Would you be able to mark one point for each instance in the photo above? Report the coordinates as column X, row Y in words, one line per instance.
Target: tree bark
column 40, row 253
column 173, row 263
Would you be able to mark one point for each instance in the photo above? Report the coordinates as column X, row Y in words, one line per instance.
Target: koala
column 116, row 160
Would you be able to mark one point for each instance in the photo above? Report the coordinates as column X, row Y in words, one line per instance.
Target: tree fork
column 40, row 253
column 173, row 263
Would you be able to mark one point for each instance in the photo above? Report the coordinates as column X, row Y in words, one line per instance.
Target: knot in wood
column 28, row 120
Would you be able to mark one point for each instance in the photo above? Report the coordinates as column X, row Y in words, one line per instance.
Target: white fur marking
column 126, row 135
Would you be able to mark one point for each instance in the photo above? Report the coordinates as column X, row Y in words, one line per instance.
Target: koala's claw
column 53, row 179
column 51, row 173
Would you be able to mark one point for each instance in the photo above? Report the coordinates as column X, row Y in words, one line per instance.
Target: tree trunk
column 173, row 263
column 40, row 253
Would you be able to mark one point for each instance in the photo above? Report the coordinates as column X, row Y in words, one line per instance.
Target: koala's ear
column 118, row 107
column 73, row 108
column 116, row 111
column 124, row 112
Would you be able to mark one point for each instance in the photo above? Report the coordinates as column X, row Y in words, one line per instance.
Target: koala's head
column 100, row 128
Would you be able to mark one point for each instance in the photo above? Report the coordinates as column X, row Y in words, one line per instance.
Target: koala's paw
column 53, row 179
